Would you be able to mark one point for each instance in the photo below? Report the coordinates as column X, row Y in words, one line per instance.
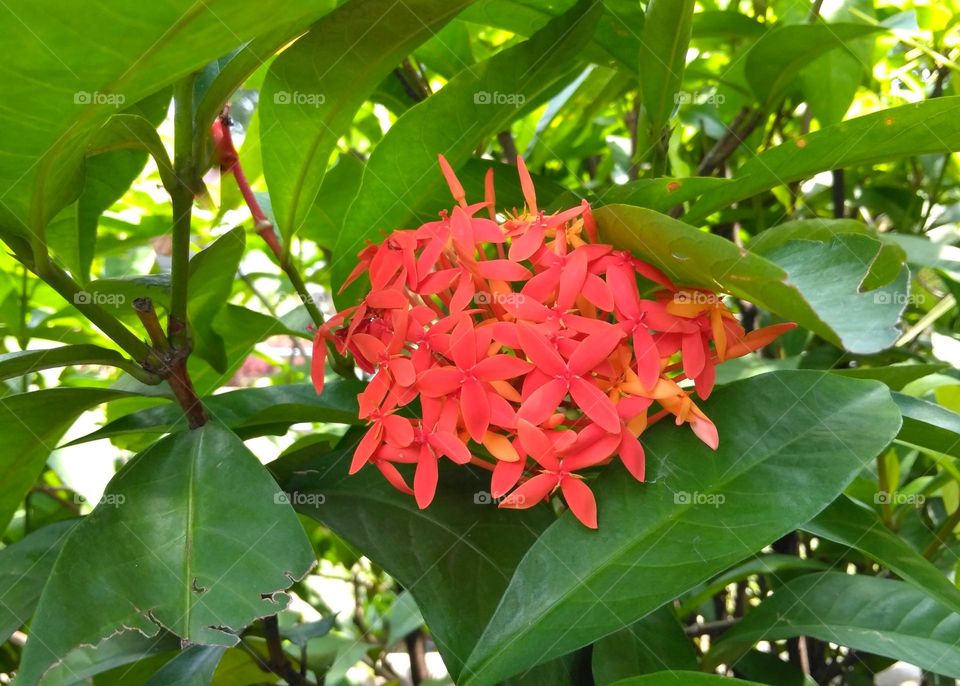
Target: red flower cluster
column 524, row 335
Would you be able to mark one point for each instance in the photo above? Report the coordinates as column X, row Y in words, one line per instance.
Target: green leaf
column 461, row 541
column 654, row 643
column 853, row 525
column 928, row 425
column 896, row 376
column 133, row 132
column 833, row 276
column 31, row 425
column 883, row 268
column 767, row 668
column 477, row 103
column 192, row 535
column 778, row 56
column 194, row 666
column 213, row 272
column 102, row 61
column 29, row 361
column 663, row 56
column 681, row 679
column 615, row 43
column 867, row 613
column 662, row 194
column 314, row 88
column 814, row 284
column 926, row 127
column 242, row 63
column 806, row 433
column 81, row 664
column 247, row 411
column 24, row 567
column 727, row 24
column 301, row 633
column 761, row 564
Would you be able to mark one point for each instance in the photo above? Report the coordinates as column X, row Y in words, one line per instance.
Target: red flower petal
column 476, row 409
column 501, row 367
column 632, row 455
column 694, row 354
column 366, row 447
column 503, row 270
column 456, row 189
column 439, row 381
column 537, row 445
column 392, row 474
column 526, row 183
column 543, row 402
column 425, row 478
column 581, row 501
column 595, row 404
column 448, row 444
column 531, row 492
column 593, row 350
column 505, row 476
column 539, row 350
column 397, row 430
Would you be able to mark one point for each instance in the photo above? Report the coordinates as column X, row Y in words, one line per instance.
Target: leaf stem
column 942, row 535
column 182, row 200
column 112, row 327
column 279, row 663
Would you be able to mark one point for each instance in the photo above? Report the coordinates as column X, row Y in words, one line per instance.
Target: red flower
column 530, row 348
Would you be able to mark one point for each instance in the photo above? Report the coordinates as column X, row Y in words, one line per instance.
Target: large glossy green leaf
column 462, row 541
column 192, row 535
column 655, row 643
column 926, row 127
column 313, row 90
column 816, row 284
column 663, row 56
column 93, row 64
column 774, row 61
column 856, row 526
column 248, row 410
column 31, row 425
column 871, row 614
column 24, row 567
column 928, row 425
column 802, row 433
column 480, row 101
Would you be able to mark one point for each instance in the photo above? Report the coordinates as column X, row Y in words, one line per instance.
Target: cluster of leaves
column 157, row 321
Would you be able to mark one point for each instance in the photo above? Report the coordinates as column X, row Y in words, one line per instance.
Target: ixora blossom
column 535, row 351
